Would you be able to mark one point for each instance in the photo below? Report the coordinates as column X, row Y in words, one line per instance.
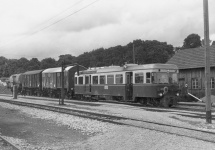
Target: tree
column 192, row 41
column 48, row 63
column 34, row 64
column 67, row 58
column 22, row 65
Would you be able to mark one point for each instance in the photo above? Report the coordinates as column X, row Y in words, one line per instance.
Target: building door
column 183, row 86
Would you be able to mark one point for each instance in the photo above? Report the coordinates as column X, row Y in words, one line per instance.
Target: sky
column 50, row 28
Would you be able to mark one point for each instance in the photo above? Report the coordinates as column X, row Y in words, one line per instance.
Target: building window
column 212, row 83
column 102, row 79
column 95, row 79
column 195, row 83
column 139, row 77
column 110, row 79
column 119, row 78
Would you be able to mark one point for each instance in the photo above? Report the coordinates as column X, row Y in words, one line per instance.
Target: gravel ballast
column 103, row 135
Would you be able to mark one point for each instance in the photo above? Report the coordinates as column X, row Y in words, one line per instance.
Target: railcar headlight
column 177, row 94
column 160, row 94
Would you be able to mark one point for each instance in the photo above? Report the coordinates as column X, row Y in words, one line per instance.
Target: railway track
column 165, row 128
column 6, row 145
column 181, row 105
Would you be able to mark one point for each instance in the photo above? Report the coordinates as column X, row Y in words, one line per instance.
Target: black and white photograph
column 107, row 75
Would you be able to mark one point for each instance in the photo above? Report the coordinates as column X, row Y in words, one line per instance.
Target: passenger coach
column 155, row 84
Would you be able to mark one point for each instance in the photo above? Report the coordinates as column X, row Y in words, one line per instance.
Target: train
column 152, row 84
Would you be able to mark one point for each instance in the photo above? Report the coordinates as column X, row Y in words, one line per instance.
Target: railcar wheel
column 142, row 101
column 165, row 102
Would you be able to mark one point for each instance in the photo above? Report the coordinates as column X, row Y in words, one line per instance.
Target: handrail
column 195, row 97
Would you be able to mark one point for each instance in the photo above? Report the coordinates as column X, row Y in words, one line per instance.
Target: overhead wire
column 33, row 33
column 60, row 13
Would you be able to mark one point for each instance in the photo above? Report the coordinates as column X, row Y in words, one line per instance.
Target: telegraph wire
column 66, row 17
column 59, row 13
column 33, row 33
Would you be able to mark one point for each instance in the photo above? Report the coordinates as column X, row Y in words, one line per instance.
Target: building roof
column 192, row 58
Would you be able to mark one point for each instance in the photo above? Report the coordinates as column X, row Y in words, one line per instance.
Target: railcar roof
column 151, row 66
column 129, row 67
column 110, row 69
column 32, row 72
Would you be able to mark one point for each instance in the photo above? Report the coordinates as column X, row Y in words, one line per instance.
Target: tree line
column 146, row 52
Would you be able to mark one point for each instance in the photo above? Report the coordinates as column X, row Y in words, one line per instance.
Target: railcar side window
column 95, row 79
column 86, row 79
column 102, row 79
column 119, row 78
column 80, row 80
column 75, row 80
column 110, row 79
column 212, row 83
column 148, row 77
column 195, row 83
column 139, row 77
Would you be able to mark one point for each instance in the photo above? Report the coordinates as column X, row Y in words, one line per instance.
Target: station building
column 191, row 64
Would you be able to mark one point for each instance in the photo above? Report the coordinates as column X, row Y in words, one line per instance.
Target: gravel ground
column 106, row 136
column 182, row 118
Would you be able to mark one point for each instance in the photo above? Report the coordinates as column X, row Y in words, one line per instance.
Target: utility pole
column 207, row 63
column 133, row 53
column 61, row 102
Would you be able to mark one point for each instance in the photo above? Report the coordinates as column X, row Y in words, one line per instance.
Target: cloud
column 103, row 24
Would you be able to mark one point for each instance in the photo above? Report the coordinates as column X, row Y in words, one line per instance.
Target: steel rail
column 9, row 143
column 114, row 119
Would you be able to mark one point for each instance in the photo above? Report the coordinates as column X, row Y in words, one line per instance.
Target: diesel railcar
column 155, row 84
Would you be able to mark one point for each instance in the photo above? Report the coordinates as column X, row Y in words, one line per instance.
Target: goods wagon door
column 129, row 85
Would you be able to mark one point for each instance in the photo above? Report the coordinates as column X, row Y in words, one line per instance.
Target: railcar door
column 88, row 84
column 129, row 85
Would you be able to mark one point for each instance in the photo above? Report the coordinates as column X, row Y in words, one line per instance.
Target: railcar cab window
column 110, row 79
column 95, row 79
column 148, row 77
column 160, row 78
column 164, row 78
column 139, row 77
column 173, row 77
column 102, row 79
column 119, row 79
